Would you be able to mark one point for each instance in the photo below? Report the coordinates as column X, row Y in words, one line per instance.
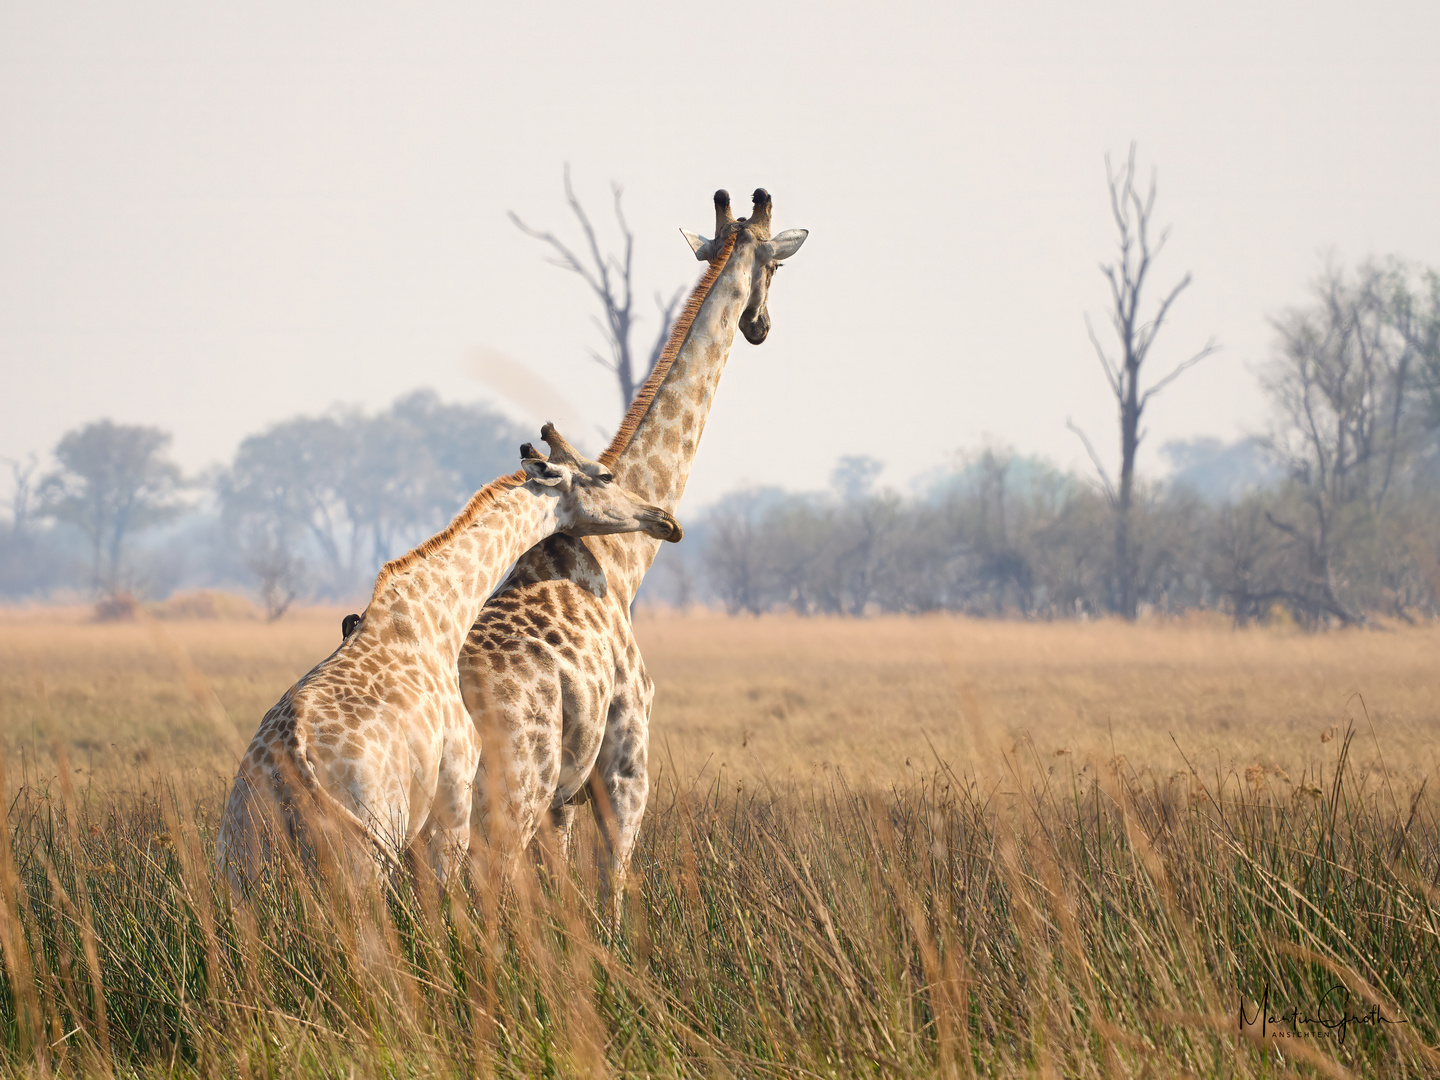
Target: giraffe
column 551, row 671
column 376, row 737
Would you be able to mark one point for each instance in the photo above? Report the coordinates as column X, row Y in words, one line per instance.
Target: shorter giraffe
column 376, row 740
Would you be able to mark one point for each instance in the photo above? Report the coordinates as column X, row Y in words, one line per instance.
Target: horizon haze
column 213, row 221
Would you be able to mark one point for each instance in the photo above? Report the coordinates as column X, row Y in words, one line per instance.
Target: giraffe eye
column 606, row 478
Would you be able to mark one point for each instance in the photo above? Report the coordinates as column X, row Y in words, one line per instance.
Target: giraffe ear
column 540, row 471
column 704, row 249
column 784, row 245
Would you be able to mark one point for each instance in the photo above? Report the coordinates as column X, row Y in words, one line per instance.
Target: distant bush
column 205, row 604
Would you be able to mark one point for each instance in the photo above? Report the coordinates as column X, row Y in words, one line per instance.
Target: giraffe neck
column 655, row 448
column 434, row 594
column 655, row 464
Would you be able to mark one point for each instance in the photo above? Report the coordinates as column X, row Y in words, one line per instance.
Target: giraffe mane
column 678, row 333
column 482, row 499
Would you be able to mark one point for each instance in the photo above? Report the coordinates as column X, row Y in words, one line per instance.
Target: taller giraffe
column 376, row 739
column 568, row 714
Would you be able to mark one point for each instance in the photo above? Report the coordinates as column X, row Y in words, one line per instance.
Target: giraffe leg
column 620, row 786
column 562, row 820
column 549, row 847
column 444, row 839
column 583, row 688
column 515, row 780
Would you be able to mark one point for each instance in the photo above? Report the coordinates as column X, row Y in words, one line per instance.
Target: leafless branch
column 1284, row 526
column 1094, row 458
column 1112, row 375
column 1210, row 347
column 607, row 364
column 1146, row 334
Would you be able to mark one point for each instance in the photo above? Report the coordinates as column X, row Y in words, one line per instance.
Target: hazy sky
column 212, row 221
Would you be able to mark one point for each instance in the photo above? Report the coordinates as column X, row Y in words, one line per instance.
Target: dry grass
column 777, row 694
column 192, row 691
column 782, row 696
column 805, row 901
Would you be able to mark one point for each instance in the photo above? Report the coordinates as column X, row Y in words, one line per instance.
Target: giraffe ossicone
column 374, row 746
column 551, row 671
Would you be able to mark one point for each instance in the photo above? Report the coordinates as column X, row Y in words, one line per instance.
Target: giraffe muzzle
column 755, row 326
column 661, row 525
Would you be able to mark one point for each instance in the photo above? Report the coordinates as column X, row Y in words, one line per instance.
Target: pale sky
column 212, row 221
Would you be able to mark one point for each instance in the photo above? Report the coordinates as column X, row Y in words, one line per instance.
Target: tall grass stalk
column 1068, row 921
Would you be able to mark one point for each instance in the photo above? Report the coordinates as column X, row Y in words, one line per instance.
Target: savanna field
column 884, row 847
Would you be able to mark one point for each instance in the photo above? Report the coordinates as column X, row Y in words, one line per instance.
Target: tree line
column 1331, row 516
column 308, row 508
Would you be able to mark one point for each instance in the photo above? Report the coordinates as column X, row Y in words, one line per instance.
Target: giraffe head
column 759, row 251
column 588, row 501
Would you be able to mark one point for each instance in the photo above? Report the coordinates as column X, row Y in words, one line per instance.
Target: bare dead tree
column 1135, row 335
column 610, row 279
column 278, row 571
